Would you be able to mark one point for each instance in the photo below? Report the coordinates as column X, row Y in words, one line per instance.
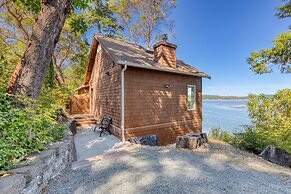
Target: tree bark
column 58, row 72
column 59, row 76
column 29, row 74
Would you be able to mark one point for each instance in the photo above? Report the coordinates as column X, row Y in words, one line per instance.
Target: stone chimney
column 165, row 53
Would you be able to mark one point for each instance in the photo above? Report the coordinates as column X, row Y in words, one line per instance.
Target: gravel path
column 214, row 168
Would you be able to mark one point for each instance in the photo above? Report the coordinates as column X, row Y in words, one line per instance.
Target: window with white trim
column 191, row 90
column 98, row 48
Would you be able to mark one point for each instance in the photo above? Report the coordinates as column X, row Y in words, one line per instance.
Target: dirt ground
column 214, row 168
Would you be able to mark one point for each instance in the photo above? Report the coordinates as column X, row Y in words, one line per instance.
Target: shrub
column 25, row 130
column 217, row 133
column 271, row 117
column 249, row 140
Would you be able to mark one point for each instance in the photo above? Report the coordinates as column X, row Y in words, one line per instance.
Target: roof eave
column 164, row 70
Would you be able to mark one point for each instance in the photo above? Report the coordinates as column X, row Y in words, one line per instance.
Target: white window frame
column 195, row 94
column 98, row 48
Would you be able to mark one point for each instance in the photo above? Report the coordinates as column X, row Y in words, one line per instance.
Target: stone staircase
column 84, row 120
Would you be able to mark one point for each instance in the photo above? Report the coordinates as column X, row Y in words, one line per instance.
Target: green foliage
column 75, row 75
column 78, row 25
column 265, row 60
column 33, row 6
column 50, row 77
column 280, row 55
column 101, row 16
column 217, row 133
column 271, row 118
column 285, row 10
column 250, row 140
column 271, row 124
column 25, row 130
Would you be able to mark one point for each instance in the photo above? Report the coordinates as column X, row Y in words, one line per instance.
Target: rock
column 276, row 155
column 29, row 172
column 12, row 184
column 151, row 140
column 44, row 157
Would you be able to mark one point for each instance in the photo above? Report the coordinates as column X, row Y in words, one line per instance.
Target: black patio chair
column 104, row 125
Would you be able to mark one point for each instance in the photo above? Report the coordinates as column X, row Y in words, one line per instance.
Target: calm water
column 223, row 114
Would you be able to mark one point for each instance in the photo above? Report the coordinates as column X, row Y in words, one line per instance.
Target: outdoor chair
column 104, row 125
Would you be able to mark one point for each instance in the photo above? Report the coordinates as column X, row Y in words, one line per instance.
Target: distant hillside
column 217, row 97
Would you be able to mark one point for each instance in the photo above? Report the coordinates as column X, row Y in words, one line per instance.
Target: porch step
column 83, row 116
column 81, row 123
column 84, row 120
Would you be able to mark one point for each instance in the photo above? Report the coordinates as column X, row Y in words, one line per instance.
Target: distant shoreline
column 206, row 99
column 217, row 97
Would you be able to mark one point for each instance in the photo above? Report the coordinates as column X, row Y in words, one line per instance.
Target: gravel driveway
column 214, row 168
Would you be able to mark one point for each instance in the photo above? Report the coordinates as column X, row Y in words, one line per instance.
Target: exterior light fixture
column 168, row 86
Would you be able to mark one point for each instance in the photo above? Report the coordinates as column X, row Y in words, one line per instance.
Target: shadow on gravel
column 152, row 170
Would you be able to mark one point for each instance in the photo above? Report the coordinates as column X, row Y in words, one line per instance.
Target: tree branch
column 65, row 56
column 17, row 20
column 12, row 49
column 12, row 35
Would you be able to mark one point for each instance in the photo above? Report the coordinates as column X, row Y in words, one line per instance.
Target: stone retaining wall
column 33, row 175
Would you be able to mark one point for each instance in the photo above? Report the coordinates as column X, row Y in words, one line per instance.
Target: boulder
column 29, row 172
column 276, row 155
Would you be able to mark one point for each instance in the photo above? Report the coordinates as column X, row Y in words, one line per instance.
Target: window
column 98, row 48
column 191, row 97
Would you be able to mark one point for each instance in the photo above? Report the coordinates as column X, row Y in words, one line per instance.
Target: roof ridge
column 121, row 41
column 123, row 52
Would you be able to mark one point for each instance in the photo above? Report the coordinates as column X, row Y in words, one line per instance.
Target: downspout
column 122, row 102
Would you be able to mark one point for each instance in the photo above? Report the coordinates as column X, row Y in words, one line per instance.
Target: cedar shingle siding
column 151, row 108
column 105, row 88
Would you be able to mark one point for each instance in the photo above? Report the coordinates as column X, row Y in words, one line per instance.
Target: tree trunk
column 59, row 76
column 29, row 74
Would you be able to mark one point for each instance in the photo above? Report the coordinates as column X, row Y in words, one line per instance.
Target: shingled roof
column 124, row 53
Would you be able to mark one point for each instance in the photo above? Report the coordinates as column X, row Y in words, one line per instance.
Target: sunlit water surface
column 225, row 114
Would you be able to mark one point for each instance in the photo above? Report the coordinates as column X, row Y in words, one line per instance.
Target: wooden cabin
column 146, row 92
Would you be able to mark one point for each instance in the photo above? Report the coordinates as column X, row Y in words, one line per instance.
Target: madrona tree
column 30, row 72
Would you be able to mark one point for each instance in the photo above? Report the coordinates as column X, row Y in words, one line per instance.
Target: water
column 223, row 114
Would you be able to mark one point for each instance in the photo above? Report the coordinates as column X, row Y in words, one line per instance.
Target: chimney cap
column 164, row 37
column 164, row 41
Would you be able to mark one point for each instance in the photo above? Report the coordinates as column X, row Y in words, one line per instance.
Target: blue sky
column 217, row 36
